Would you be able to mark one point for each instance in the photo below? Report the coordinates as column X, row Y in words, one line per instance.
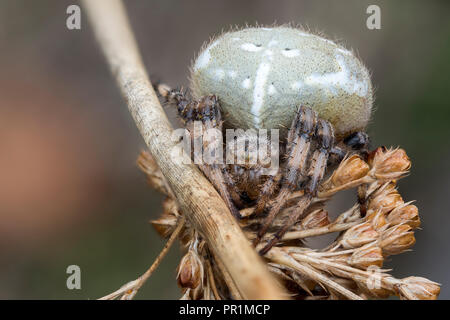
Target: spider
column 315, row 92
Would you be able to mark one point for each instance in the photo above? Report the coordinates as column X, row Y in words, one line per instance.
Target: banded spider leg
column 207, row 111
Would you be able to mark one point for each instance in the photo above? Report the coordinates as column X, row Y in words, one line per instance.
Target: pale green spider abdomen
column 262, row 75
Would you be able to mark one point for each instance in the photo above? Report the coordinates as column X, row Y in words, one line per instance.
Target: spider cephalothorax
column 317, row 93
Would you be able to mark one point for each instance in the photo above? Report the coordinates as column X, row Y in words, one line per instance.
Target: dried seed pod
column 413, row 288
column 155, row 178
column 385, row 199
column 397, row 239
column 316, row 219
column 350, row 169
column 359, row 235
column 405, row 214
column 377, row 219
column 166, row 223
column 367, row 256
column 190, row 271
column 389, row 164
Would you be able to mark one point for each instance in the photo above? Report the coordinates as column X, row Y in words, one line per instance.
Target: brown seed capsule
column 419, row 288
column 367, row 256
column 190, row 271
column 350, row 169
column 316, row 219
column 154, row 176
column 406, row 214
column 359, row 235
column 166, row 223
column 385, row 199
column 377, row 219
column 397, row 239
column 389, row 164
column 376, row 153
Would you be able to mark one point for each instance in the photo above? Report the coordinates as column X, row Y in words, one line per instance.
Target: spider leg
column 325, row 135
column 232, row 188
column 207, row 111
column 299, row 141
column 338, row 153
column 211, row 118
column 267, row 191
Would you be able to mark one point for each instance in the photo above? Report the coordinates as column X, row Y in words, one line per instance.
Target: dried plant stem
column 197, row 198
column 234, row 291
column 319, row 231
column 330, row 192
column 129, row 290
column 212, row 282
column 277, row 255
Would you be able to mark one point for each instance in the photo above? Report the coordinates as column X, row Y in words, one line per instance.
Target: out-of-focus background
column 70, row 191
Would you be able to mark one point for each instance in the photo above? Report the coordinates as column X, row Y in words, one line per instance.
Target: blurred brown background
column 70, row 192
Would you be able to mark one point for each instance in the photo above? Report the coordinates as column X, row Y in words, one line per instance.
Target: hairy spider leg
column 267, row 191
column 299, row 141
column 325, row 137
column 206, row 110
column 232, row 188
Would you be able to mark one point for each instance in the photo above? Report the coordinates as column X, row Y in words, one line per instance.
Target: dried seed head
column 155, row 178
column 359, row 235
column 406, row 214
column 419, row 288
column 367, row 256
column 190, row 270
column 377, row 219
column 385, row 199
column 389, row 164
column 316, row 219
column 352, row 168
column 397, row 239
column 166, row 223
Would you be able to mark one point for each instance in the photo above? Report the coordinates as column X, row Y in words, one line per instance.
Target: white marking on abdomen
column 232, row 74
column 342, row 79
column 246, row 83
column 204, row 58
column 297, row 85
column 258, row 92
column 272, row 90
column 250, row 47
column 290, row 53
